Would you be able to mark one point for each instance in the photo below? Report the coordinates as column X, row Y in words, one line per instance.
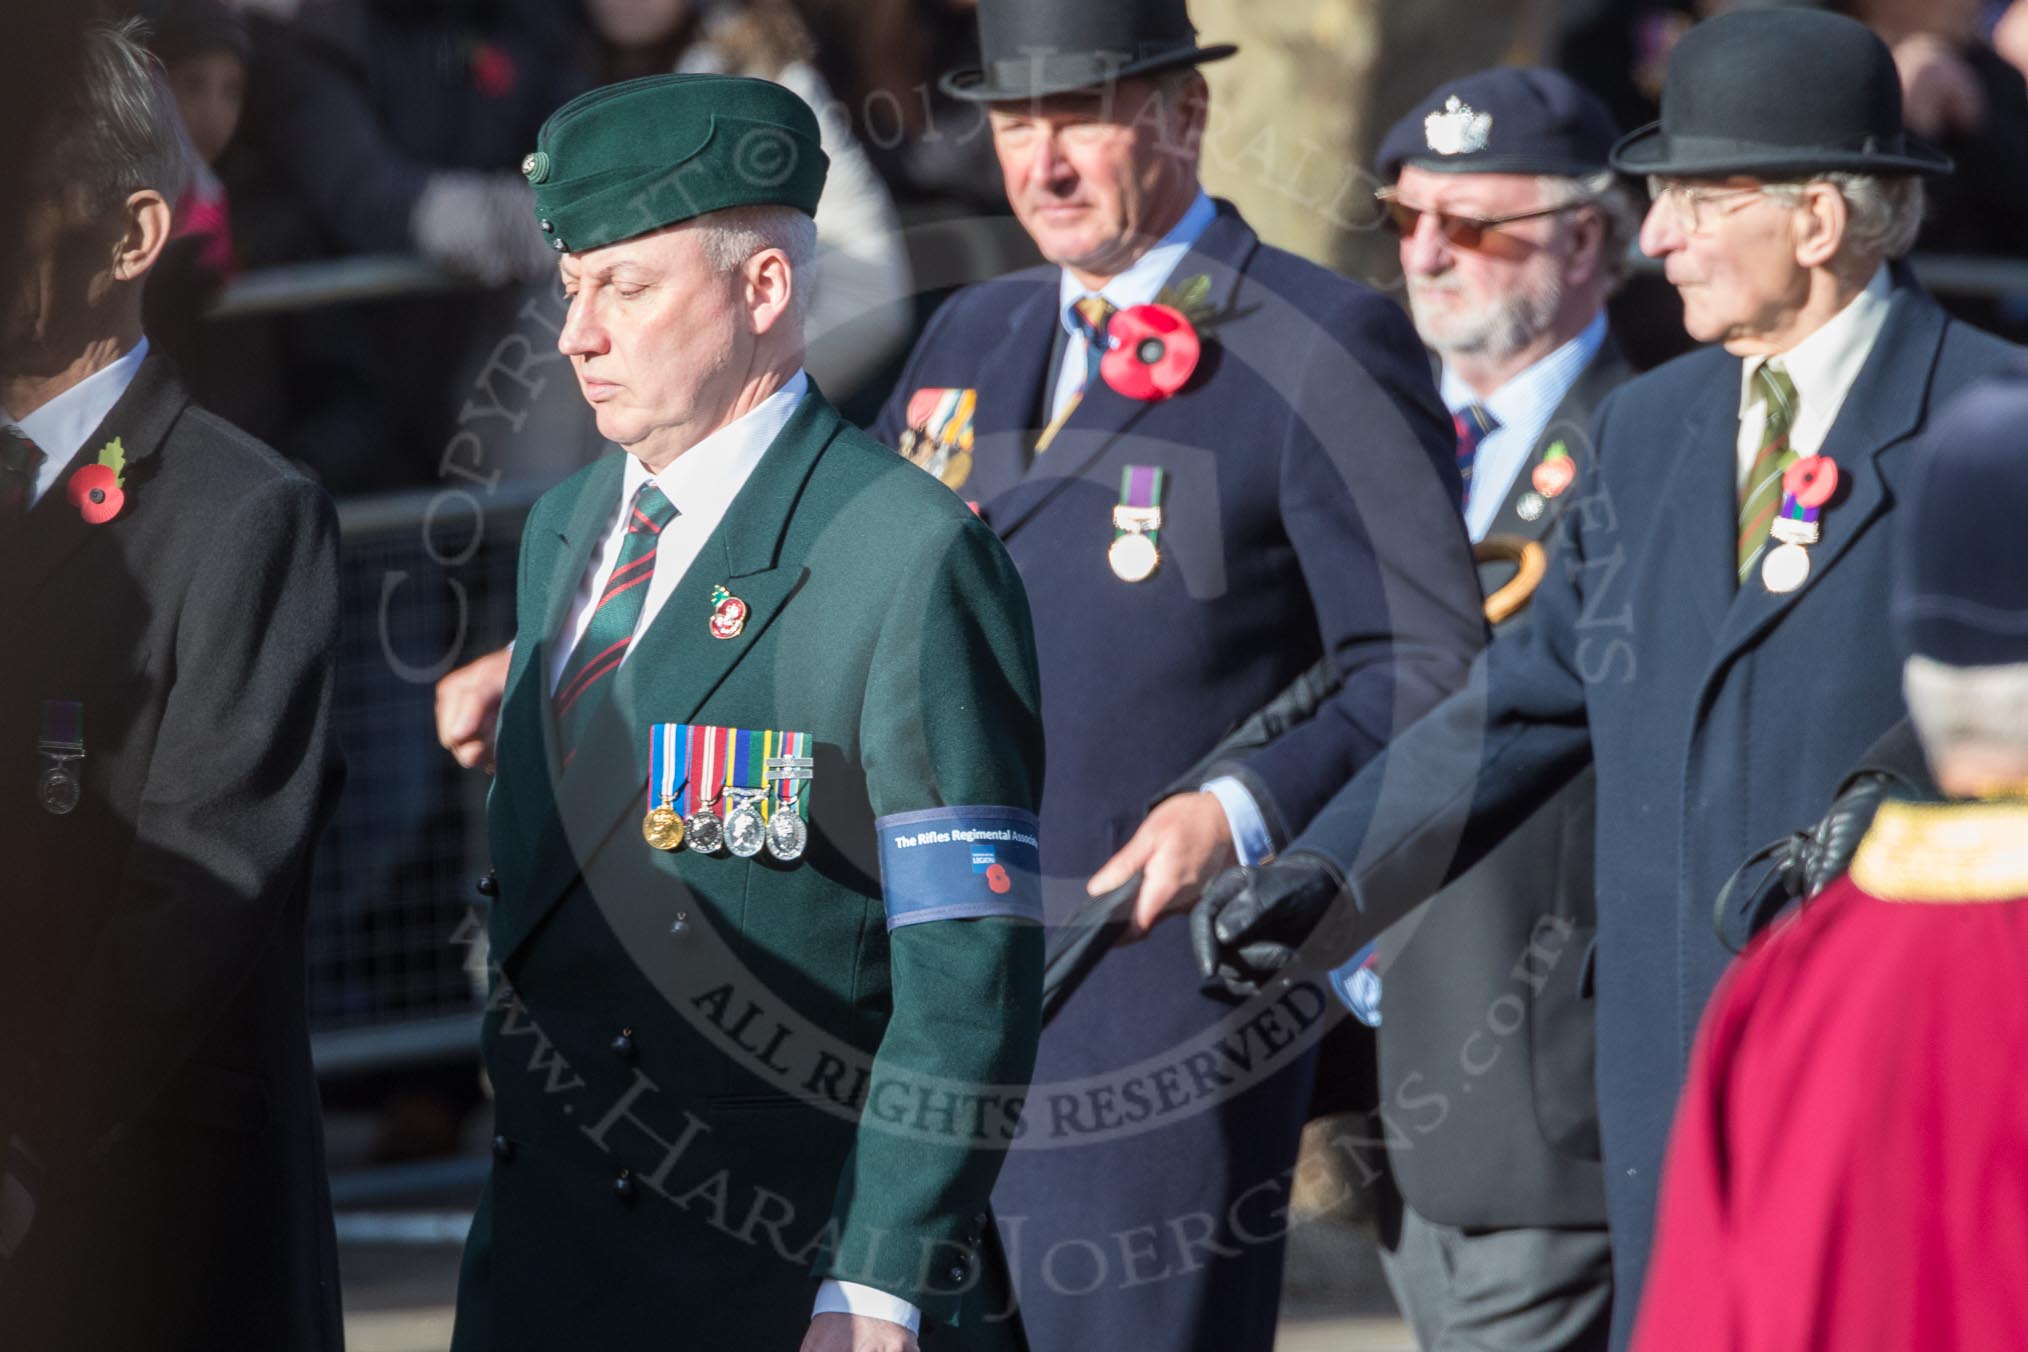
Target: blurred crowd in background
column 335, row 129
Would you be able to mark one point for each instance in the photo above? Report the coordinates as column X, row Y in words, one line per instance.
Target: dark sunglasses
column 1463, row 232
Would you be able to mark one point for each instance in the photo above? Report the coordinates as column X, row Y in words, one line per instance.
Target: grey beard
column 1495, row 334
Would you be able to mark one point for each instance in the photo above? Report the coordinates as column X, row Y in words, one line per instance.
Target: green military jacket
column 720, row 1081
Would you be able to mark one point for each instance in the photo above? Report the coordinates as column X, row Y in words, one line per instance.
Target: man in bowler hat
column 1203, row 501
column 169, row 596
column 1513, row 232
column 1879, row 1028
column 766, row 888
column 1709, row 640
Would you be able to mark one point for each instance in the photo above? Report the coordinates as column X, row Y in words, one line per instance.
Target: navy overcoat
column 1718, row 717
column 1310, row 509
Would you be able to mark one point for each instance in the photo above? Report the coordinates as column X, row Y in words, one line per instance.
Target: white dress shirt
column 1522, row 407
column 701, row 482
column 60, row 427
column 1823, row 367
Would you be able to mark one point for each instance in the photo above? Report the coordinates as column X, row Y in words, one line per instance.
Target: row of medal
column 759, row 778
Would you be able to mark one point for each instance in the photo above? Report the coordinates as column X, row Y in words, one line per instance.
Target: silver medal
column 703, row 831
column 58, row 789
column 1531, row 507
column 788, row 836
column 1785, row 568
column 745, row 830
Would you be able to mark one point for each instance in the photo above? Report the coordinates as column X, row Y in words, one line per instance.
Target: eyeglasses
column 1463, row 232
column 1699, row 209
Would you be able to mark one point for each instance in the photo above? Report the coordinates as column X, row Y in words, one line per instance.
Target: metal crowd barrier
column 396, row 968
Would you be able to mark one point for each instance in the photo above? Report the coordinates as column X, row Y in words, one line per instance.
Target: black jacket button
column 680, row 927
column 489, row 885
column 623, row 1045
column 623, row 1187
column 503, row 1149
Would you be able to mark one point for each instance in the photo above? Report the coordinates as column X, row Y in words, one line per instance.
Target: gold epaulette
column 1945, row 852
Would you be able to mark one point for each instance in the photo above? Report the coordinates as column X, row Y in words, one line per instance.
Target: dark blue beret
column 1508, row 120
column 1961, row 563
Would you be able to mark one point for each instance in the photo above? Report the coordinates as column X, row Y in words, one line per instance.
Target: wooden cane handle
column 1531, row 565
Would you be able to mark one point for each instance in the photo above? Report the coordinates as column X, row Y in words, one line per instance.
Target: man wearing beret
column 767, row 907
column 1513, row 232
column 1881, row 1026
column 1709, row 642
column 169, row 596
column 1214, row 465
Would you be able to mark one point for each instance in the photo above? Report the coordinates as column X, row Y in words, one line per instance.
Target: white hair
column 122, row 134
column 1883, row 215
column 732, row 236
column 1978, row 710
column 1605, row 193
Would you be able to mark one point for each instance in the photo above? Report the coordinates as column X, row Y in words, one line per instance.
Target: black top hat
column 1033, row 48
column 1507, row 120
column 1775, row 93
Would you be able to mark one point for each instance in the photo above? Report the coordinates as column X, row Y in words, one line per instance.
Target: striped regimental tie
column 1761, row 497
column 1092, row 315
column 618, row 610
column 1473, row 423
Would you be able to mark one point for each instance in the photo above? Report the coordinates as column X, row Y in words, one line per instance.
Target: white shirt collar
column 1532, row 395
column 1825, row 365
column 61, row 427
column 704, row 480
column 1142, row 282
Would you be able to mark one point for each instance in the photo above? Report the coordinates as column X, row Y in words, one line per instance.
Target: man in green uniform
column 767, row 897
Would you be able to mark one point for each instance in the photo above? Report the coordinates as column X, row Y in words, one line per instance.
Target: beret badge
column 1457, row 129
column 535, row 166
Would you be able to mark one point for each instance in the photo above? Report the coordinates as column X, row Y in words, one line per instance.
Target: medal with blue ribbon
column 668, row 766
column 1136, row 552
column 760, row 779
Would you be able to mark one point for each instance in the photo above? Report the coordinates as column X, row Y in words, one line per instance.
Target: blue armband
column 959, row 863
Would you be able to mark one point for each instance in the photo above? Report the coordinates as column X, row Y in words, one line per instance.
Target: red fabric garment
column 203, row 211
column 1849, row 1164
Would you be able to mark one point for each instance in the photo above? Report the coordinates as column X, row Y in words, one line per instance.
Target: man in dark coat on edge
column 1191, row 536
column 169, row 593
column 1711, row 640
column 1498, row 1235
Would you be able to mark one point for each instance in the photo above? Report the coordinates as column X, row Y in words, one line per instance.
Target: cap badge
column 1458, row 129
column 535, row 166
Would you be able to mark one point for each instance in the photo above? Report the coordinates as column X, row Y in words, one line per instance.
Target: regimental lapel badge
column 740, row 790
column 1136, row 552
column 1458, row 129
column 1807, row 486
column 728, row 614
column 939, row 433
column 58, row 785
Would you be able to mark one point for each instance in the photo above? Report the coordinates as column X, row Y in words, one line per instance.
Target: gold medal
column 663, row 828
column 1785, row 568
column 1133, row 557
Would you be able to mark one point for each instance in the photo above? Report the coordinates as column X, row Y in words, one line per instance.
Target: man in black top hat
column 1214, row 465
column 1513, row 232
column 1709, row 641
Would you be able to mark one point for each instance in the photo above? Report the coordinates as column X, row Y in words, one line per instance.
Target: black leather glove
column 1250, row 922
column 1804, row 864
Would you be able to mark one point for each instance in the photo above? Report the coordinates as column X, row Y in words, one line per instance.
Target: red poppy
column 95, row 491
column 1811, row 480
column 493, row 70
column 997, row 879
column 1154, row 351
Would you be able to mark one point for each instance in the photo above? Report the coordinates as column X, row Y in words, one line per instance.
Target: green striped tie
column 614, row 616
column 1761, row 497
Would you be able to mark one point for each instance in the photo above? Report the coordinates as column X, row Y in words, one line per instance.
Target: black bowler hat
column 1033, row 48
column 1778, row 93
column 1508, row 120
column 1961, row 556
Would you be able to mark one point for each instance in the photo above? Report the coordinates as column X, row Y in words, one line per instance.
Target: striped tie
column 1473, row 423
column 20, row 458
column 618, row 610
column 1091, row 315
column 1761, row 496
